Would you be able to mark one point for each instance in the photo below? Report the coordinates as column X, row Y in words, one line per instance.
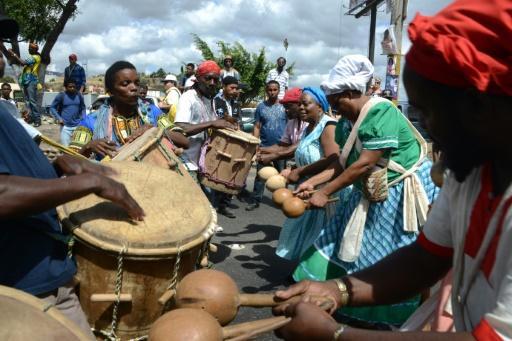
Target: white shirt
column 487, row 307
column 282, row 78
column 172, row 96
column 194, row 109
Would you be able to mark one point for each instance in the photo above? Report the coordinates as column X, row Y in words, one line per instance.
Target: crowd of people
column 382, row 232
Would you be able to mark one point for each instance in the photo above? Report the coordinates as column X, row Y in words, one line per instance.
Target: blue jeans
column 30, row 92
column 259, row 185
column 65, row 135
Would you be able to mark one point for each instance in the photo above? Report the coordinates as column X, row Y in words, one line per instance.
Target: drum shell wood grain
column 25, row 317
column 145, row 279
column 227, row 159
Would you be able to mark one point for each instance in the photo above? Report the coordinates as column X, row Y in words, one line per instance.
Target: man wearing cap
column 195, row 113
column 295, row 127
column 228, row 69
column 29, row 80
column 457, row 73
column 172, row 96
column 76, row 72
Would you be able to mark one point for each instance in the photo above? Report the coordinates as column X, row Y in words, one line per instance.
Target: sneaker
column 226, row 212
column 253, row 206
column 219, row 229
column 36, row 124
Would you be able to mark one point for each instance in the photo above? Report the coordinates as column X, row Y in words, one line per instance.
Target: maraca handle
column 258, row 300
column 243, row 331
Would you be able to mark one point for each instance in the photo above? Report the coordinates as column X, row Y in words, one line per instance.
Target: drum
column 154, row 148
column 25, row 317
column 226, row 158
column 125, row 267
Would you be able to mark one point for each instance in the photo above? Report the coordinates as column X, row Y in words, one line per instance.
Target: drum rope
column 111, row 334
column 174, row 276
column 170, row 157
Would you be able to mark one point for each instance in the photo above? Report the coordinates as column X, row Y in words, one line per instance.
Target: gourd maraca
column 217, row 293
column 294, row 207
column 266, row 172
column 275, row 182
column 280, row 195
column 197, row 325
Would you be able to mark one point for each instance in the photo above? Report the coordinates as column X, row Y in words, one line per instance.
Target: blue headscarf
column 318, row 95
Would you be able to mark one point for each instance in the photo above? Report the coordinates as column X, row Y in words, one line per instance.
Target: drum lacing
column 169, row 158
column 111, row 334
column 174, row 277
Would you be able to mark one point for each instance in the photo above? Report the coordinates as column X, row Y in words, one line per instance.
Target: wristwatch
column 339, row 331
column 342, row 287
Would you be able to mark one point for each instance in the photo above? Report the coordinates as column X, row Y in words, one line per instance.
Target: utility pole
column 373, row 24
column 398, row 15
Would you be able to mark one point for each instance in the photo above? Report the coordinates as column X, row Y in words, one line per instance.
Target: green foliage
column 160, row 73
column 37, row 18
column 7, row 79
column 253, row 67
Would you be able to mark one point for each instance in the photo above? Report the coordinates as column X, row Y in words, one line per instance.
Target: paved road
column 256, row 268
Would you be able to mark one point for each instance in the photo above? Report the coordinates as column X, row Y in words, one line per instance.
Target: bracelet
column 342, row 287
column 339, row 331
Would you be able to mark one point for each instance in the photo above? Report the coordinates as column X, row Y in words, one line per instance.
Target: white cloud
column 155, row 33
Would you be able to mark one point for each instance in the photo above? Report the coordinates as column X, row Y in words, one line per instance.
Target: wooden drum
column 144, row 260
column 154, row 148
column 226, row 160
column 25, row 317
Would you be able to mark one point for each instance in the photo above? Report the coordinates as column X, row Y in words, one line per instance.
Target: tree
column 253, row 67
column 40, row 21
column 160, row 73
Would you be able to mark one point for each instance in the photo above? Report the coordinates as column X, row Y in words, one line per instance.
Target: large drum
column 152, row 147
column 25, row 317
column 226, row 158
column 137, row 262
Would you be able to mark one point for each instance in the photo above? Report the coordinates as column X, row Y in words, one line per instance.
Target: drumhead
column 238, row 134
column 25, row 317
column 178, row 214
column 128, row 151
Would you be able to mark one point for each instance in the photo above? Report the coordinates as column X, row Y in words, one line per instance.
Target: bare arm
column 257, row 129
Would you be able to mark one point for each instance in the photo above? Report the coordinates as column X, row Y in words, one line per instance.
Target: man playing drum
column 35, row 256
column 196, row 115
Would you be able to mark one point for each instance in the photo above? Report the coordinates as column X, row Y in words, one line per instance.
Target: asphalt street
column 255, row 268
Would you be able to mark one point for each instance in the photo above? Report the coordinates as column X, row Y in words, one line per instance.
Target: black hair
column 69, row 81
column 143, row 86
column 4, row 84
column 283, row 58
column 192, row 65
column 229, row 80
column 272, row 81
column 111, row 72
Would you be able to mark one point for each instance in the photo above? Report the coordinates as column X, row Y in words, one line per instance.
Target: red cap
column 206, row 67
column 462, row 46
column 73, row 57
column 291, row 96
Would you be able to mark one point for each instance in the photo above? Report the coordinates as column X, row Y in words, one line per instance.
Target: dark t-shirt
column 31, row 260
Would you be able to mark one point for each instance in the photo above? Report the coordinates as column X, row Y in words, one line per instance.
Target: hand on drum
column 223, row 124
column 69, row 165
column 117, row 193
column 103, row 147
column 140, row 131
column 309, row 322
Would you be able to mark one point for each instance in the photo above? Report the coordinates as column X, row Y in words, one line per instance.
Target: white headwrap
column 351, row 72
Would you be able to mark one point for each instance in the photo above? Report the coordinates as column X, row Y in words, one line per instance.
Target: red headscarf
column 466, row 45
column 73, row 57
column 206, row 67
column 291, row 96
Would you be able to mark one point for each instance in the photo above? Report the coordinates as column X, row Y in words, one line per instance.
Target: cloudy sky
column 156, row 33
